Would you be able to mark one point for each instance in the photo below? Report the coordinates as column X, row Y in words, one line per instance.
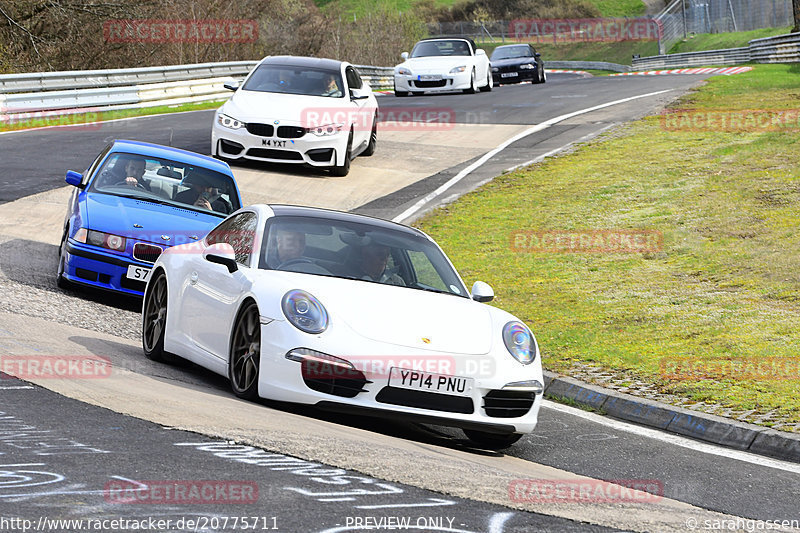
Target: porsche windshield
column 369, row 253
column 441, row 48
column 164, row 181
column 288, row 79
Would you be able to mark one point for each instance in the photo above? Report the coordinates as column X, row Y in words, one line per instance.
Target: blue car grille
column 146, row 252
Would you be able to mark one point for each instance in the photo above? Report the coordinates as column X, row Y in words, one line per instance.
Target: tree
column 796, row 6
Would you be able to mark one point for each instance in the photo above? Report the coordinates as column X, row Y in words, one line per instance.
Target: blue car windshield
column 165, row 181
column 288, row 79
column 358, row 251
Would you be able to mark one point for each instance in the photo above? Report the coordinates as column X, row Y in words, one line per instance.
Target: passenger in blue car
column 202, row 193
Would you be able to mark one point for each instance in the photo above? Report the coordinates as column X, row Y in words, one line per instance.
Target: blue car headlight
column 519, row 342
column 304, row 311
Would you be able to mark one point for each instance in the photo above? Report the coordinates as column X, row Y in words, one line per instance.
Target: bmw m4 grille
column 268, row 153
column 291, row 132
column 508, row 403
column 146, row 252
column 263, row 130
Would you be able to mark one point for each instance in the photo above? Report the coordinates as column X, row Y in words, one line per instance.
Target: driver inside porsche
column 290, row 245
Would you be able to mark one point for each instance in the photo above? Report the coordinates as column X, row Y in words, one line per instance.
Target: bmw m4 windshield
column 287, row 79
column 364, row 252
column 169, row 182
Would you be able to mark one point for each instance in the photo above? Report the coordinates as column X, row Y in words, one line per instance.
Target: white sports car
column 305, row 110
column 348, row 313
column 439, row 65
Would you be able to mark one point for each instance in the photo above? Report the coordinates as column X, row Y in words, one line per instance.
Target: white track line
column 488, row 155
column 675, row 440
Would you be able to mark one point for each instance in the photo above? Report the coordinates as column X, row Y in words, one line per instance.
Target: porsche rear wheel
column 245, row 359
column 492, row 441
column 154, row 320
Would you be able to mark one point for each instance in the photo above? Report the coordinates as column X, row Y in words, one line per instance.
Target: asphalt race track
column 66, row 444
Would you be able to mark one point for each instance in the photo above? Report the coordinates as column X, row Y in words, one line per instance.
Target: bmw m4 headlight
column 326, row 129
column 229, row 122
column 403, row 71
column 304, row 311
column 527, row 66
column 458, row 70
column 519, row 342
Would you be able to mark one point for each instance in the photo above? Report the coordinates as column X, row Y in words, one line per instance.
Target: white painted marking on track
column 559, row 149
column 434, row 502
column 488, row 155
column 676, row 440
column 496, row 524
column 17, row 387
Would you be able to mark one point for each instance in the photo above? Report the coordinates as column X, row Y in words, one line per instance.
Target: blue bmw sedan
column 134, row 201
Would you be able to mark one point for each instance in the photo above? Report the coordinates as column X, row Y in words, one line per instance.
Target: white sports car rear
column 347, row 313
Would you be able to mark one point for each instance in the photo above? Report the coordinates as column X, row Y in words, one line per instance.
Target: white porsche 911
column 305, row 110
column 443, row 64
column 348, row 313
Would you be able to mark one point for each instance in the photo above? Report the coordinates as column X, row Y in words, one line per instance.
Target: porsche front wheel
column 245, row 357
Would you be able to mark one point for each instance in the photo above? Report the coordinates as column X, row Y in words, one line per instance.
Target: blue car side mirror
column 74, row 178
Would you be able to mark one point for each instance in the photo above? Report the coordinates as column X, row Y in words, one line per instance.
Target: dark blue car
column 134, row 201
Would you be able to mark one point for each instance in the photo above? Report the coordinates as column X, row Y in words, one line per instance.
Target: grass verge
column 87, row 120
column 721, row 298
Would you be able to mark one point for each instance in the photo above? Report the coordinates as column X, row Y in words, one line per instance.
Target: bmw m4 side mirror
column 222, row 254
column 358, row 94
column 74, row 178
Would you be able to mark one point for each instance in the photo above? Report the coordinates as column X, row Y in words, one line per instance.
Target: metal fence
column 684, row 17
column 779, row 49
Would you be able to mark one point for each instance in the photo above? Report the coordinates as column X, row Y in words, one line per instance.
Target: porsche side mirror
column 231, row 86
column 482, row 292
column 222, row 253
column 74, row 178
column 404, row 56
column 358, row 94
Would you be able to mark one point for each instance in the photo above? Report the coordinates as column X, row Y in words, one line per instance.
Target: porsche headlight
column 458, row 70
column 304, row 311
column 527, row 66
column 403, row 71
column 229, row 122
column 326, row 129
column 519, row 342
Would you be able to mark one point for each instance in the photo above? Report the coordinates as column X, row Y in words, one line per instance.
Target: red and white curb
column 727, row 71
column 561, row 71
